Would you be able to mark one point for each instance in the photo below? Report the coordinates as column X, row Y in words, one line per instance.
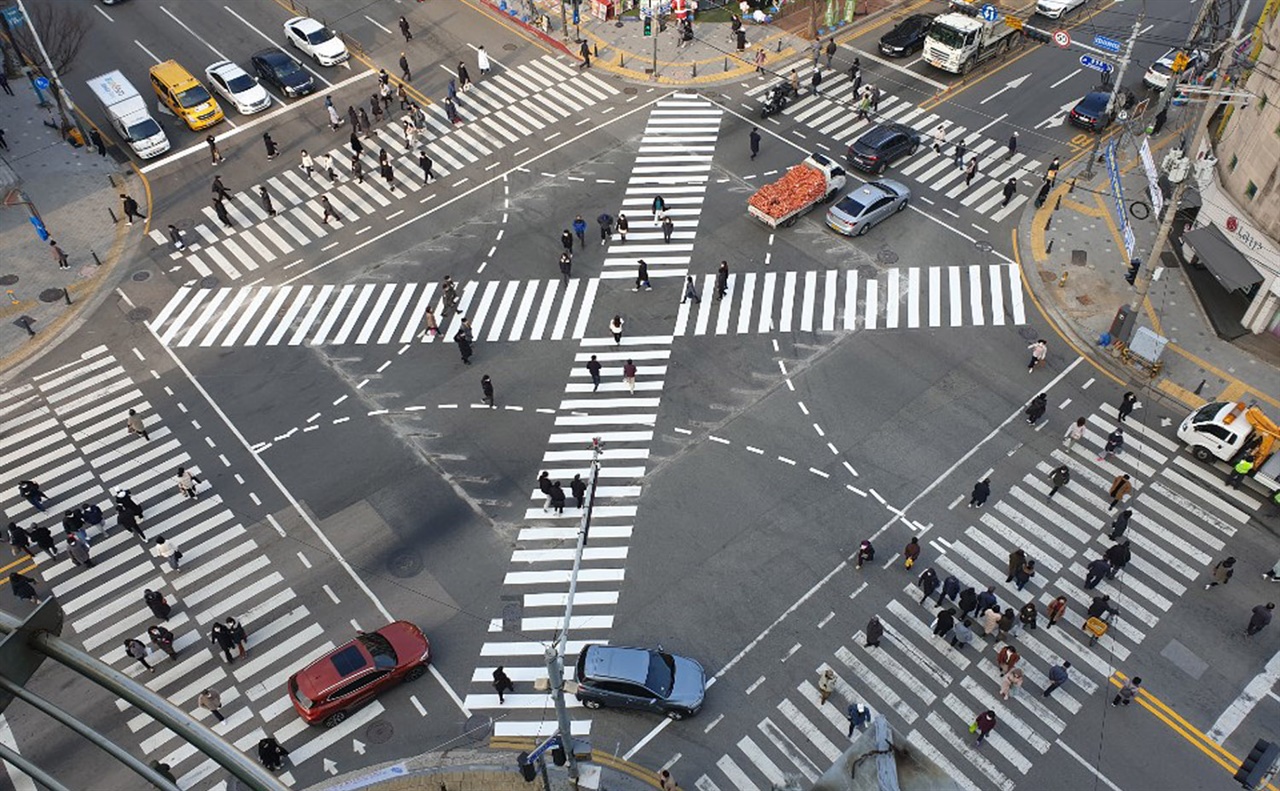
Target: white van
column 128, row 113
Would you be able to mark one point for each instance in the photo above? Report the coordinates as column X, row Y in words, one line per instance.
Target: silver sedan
column 867, row 205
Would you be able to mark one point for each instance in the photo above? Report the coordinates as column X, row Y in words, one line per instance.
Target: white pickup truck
column 1220, row 429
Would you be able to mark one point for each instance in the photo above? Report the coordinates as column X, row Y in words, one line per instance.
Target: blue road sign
column 1096, row 65
column 541, row 749
column 41, row 231
column 1109, row 44
column 42, row 83
column 990, row 13
column 13, row 15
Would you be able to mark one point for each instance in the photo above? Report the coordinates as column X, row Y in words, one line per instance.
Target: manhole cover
column 405, row 565
column 476, row 728
column 209, row 282
column 379, row 732
column 886, row 256
column 139, row 277
column 509, row 47
column 8, row 280
column 511, row 616
column 139, row 315
column 1079, row 257
column 1029, row 333
column 983, row 245
column 51, row 295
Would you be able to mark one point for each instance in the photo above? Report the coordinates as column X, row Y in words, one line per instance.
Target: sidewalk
column 1080, row 284
column 489, row 770
column 73, row 190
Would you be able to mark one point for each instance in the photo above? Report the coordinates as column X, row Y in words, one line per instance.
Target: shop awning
column 1227, row 264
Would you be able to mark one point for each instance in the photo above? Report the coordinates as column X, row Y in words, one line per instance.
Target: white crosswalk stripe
column 505, row 103
column 833, row 114
column 67, row 433
column 931, row 691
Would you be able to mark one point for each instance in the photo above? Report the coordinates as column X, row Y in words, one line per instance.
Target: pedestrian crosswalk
column 535, row 590
column 65, row 430
column 500, row 111
column 1182, row 518
column 515, row 310
column 833, row 114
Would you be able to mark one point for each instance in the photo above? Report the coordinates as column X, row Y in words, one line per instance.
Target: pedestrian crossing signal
column 648, row 26
column 1257, row 768
column 1180, row 62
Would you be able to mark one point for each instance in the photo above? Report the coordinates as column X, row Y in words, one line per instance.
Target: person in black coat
column 156, row 602
column 945, row 622
column 221, row 636
column 968, row 600
column 271, row 753
column 557, row 497
column 1120, row 524
column 1037, row 408
column 23, row 587
column 579, row 489
column 981, row 491
column 950, row 589
column 44, row 540
column 928, row 583
column 20, row 539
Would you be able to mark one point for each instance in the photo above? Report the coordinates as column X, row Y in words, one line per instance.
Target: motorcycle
column 776, row 100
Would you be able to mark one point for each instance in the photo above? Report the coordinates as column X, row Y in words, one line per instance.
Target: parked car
column 1091, row 112
column 278, row 69
column 316, row 40
column 351, row 675
column 869, row 204
column 906, row 37
column 1056, row 9
column 640, row 678
column 881, row 145
column 236, row 86
column 1161, row 72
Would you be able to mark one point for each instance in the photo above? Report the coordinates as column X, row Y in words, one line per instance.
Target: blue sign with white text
column 1096, row 65
column 1109, row 44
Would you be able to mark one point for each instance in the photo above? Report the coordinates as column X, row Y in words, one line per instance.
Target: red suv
column 349, row 676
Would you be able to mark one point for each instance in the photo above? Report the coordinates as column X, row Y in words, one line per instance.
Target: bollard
column 114, row 219
column 693, row 71
column 96, row 261
column 1048, row 220
column 597, row 52
column 25, row 323
column 622, row 60
column 1062, row 281
column 66, row 295
column 1048, row 248
column 779, row 49
column 1058, row 205
column 726, row 62
column 1072, row 188
column 1200, row 386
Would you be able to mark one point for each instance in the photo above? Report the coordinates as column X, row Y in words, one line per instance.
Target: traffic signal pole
column 1115, row 91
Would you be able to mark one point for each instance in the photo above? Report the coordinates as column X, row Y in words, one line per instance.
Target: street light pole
column 1143, row 281
column 1115, row 90
column 65, row 104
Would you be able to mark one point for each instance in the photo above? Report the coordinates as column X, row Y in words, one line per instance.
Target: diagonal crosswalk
column 501, row 111
column 514, row 310
column 833, row 115
column 65, row 430
column 534, row 591
column 1182, row 518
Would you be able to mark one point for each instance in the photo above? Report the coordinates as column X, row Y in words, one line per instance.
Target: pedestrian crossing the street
column 1182, row 518
column 835, row 301
column 535, row 590
column 65, row 430
column 833, row 114
column 500, row 111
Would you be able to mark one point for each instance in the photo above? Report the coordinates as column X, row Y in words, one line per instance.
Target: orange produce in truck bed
column 801, row 186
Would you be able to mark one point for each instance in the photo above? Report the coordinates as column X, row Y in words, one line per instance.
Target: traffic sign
column 42, row 83
column 1109, row 44
column 13, row 15
column 990, row 13
column 1062, row 38
column 1096, row 65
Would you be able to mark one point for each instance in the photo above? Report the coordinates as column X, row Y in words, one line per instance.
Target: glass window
column 194, row 96
column 240, row 84
column 358, row 685
column 380, row 649
column 662, row 673
column 348, row 661
column 319, row 36
column 1251, row 190
column 1235, row 159
column 1216, row 431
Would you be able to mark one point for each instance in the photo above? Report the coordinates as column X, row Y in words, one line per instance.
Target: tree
column 61, row 29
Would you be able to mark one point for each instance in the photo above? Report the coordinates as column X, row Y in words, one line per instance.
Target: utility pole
column 564, row 22
column 1115, row 91
column 66, row 108
column 1143, row 281
column 1166, row 96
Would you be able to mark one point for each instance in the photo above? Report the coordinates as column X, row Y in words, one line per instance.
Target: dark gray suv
column 639, row 678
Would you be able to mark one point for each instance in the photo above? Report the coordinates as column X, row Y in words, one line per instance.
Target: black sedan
column 906, row 37
column 282, row 71
column 1091, row 112
column 881, row 145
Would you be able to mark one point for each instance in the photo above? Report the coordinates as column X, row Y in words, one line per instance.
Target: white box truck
column 127, row 111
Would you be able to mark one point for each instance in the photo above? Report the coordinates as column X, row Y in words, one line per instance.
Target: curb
column 505, row 16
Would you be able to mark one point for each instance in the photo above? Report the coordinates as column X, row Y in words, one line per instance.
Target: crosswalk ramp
column 846, row 300
column 65, row 430
column 506, row 110
column 1183, row 517
column 833, row 115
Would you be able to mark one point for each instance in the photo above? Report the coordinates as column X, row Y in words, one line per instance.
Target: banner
column 831, row 13
column 850, row 7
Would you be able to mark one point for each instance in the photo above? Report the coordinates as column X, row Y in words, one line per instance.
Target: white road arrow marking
column 1010, row 85
column 358, row 746
column 1058, row 118
column 330, row 767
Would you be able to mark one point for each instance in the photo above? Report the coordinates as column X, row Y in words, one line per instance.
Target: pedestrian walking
column 566, row 240
column 30, row 490
column 211, row 701
column 1095, row 572
column 364, row 122
column 308, row 164
column 272, row 149
column 138, row 650
column 970, row 171
column 1270, row 576
column 1039, row 351
column 1011, row 681
column 960, row 635
column 981, row 491
column 44, row 540
column 175, row 236
column 875, row 631
column 271, row 754
column 156, row 602
column 502, row 683
column 544, row 486
column 866, row 553
column 557, row 497
column 1016, row 558
column 424, row 162
column 328, row 210
column 578, row 488
column 187, row 483
column 623, row 227
column 482, row 61
column 335, row 120
column 615, row 329
column 464, row 78
column 1074, row 433
column 357, row 148
column 214, row 153
column 1023, row 574
column 987, row 600
column 404, row 68
column 1121, row 486
column 859, row 717
column 486, row 391
column 566, row 266
column 1037, row 408
column 959, row 153
column 239, row 635
column 389, row 175
column 816, row 79
column 950, row 589
column 1060, row 477
column 134, row 425
column 831, row 50
column 1127, row 692
column 1055, row 610
column 593, row 368
column 1058, row 675
column 584, row 52
column 1012, row 146
column 983, row 725
column 690, row 292
column 755, row 141
column 629, row 376
column 404, row 29
column 1127, row 404
column 79, row 552
column 221, row 637
column 928, row 582
column 580, row 231
column 668, row 227
column 722, row 281
column 968, row 600
column 1260, row 618
column 875, row 98
column 1222, row 572
column 1113, row 445
column 95, row 137
column 826, row 685
column 1120, row 524
column 325, row 161
column 990, row 621
column 605, row 221
column 1028, row 616
column 1010, row 187
column 1238, row 473
column 20, row 539
column 73, row 522
column 939, row 135
column 944, row 622
column 451, row 108
column 266, row 200
column 59, row 255
column 23, row 587
column 666, row 782
column 220, row 209
column 464, row 346
column 433, row 327
column 911, row 553
column 168, row 550
column 1118, row 555
column 378, row 102
column 130, row 208
column 1006, row 658
column 357, row 169
column 163, row 639
column 91, row 515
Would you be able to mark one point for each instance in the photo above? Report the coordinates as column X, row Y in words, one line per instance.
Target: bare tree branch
column 61, row 28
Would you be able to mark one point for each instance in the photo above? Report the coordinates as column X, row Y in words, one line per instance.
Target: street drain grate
column 405, row 565
column 139, row 277
column 139, row 315
column 1079, row 257
column 476, row 728
column 887, row 256
column 379, row 732
column 512, row 614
